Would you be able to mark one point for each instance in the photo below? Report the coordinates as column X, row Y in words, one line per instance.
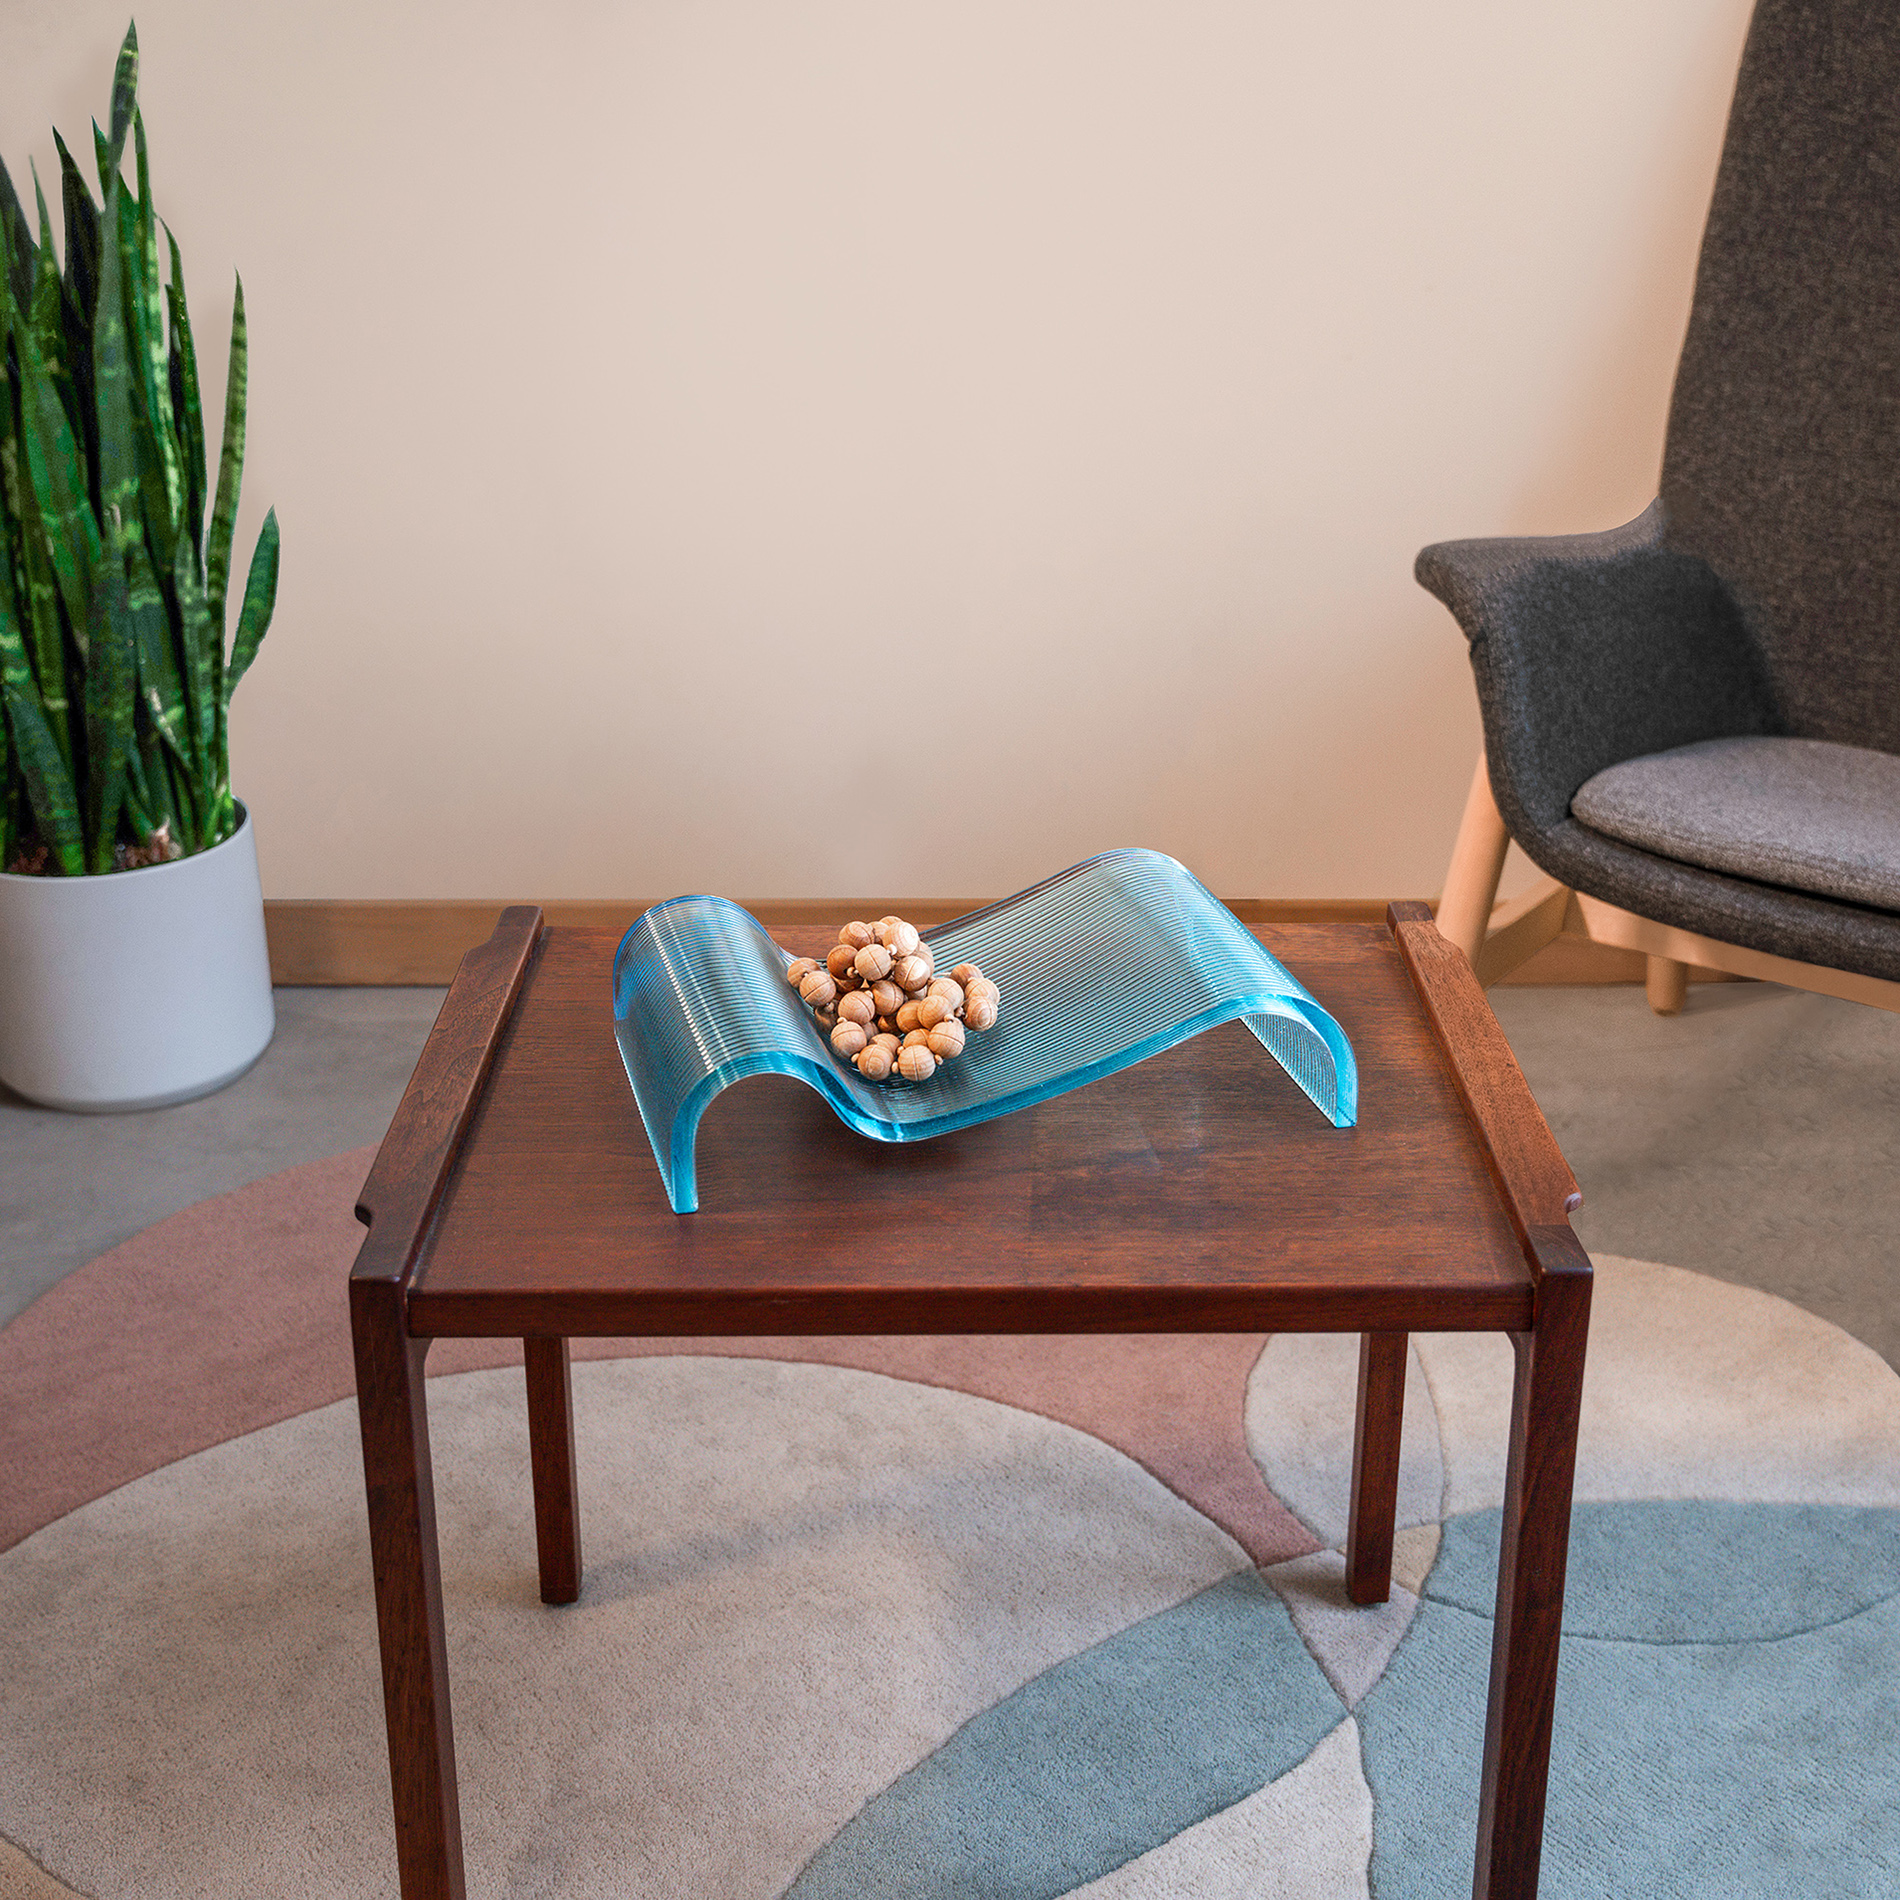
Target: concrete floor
column 1755, row 1137
column 73, row 1185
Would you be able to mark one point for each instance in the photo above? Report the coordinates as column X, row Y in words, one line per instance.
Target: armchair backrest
column 1782, row 468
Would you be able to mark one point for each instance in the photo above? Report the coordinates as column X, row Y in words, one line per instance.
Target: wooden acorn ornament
column 878, row 999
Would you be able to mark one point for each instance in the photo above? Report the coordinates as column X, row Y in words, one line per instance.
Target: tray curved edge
column 700, row 1002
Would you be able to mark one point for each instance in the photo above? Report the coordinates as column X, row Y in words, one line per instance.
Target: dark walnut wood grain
column 1532, row 1176
column 397, row 1203
column 424, row 1140
column 1378, row 1417
column 400, row 1487
column 1199, row 1191
column 1546, row 1400
column 557, row 1515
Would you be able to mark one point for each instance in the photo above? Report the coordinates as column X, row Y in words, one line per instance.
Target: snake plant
column 114, row 670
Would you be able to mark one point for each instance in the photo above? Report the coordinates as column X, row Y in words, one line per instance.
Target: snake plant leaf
column 10, row 505
column 82, row 233
column 157, row 791
column 13, row 304
column 161, row 687
column 187, row 402
column 150, row 317
column 10, row 319
column 49, row 784
column 155, row 491
column 36, row 587
column 54, row 464
column 260, row 601
column 112, row 373
column 42, row 772
column 162, row 699
column 11, row 608
column 22, row 254
column 125, row 88
column 56, row 326
column 199, row 648
column 57, row 475
column 230, row 472
column 45, row 313
column 175, row 384
column 46, row 649
column 144, row 770
column 13, row 800
column 111, row 677
column 9, row 789
column 82, row 294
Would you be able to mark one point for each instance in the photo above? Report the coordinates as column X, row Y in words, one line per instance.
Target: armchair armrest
column 1591, row 649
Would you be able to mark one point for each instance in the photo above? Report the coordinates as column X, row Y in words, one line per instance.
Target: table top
column 516, row 1192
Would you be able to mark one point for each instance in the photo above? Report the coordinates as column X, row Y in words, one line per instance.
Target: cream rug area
column 987, row 1623
column 804, row 1580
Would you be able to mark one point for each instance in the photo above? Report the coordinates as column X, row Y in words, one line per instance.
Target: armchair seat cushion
column 1800, row 813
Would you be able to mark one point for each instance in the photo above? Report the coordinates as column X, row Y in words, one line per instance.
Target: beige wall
column 779, row 446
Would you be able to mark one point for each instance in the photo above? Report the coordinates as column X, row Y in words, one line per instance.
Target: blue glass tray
column 1100, row 967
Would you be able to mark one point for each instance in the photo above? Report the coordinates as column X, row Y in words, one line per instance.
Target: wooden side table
column 515, row 1195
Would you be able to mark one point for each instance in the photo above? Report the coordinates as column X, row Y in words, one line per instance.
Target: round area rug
column 929, row 1618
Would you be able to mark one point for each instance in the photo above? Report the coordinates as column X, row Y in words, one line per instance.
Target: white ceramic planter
column 138, row 988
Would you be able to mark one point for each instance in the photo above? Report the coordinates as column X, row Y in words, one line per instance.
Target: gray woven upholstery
column 1802, row 813
column 1760, row 594
column 1783, row 462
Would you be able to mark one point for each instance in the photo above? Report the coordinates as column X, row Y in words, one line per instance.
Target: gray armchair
column 1692, row 723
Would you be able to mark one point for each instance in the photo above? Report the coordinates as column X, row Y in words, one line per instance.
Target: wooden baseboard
column 325, row 941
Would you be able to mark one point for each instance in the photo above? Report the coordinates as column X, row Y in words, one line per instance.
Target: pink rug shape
column 234, row 1314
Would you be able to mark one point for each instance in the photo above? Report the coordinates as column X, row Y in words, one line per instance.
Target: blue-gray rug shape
column 1727, row 1723
column 1095, row 1761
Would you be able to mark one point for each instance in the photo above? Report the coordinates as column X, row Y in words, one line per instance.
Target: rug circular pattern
column 813, row 1593
column 936, row 1618
column 1729, row 1694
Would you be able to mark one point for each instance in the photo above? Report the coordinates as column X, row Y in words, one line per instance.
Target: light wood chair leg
column 1477, row 861
column 1667, row 983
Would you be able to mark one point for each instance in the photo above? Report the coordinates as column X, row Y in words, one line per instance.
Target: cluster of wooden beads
column 878, row 996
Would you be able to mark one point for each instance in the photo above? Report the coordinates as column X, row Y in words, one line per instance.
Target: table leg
column 1546, row 1399
column 1375, row 1465
column 401, row 1489
column 557, row 1518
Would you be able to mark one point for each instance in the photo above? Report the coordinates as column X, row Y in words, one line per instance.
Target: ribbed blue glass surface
column 1100, row 966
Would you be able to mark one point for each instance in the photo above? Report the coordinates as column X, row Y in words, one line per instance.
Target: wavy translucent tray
column 1100, row 967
